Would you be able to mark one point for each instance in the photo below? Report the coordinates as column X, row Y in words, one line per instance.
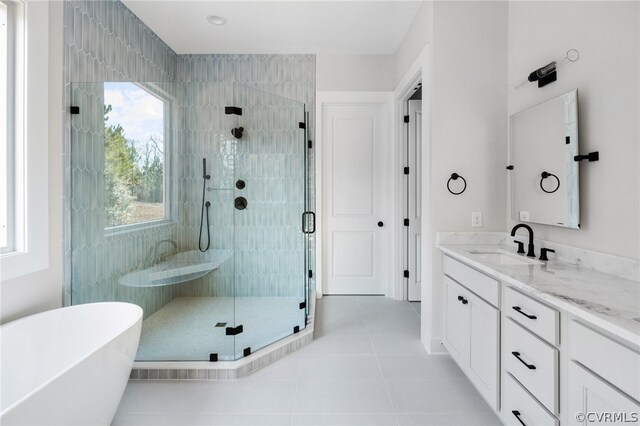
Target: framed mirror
column 545, row 177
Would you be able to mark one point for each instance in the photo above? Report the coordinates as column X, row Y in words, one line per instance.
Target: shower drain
column 221, row 324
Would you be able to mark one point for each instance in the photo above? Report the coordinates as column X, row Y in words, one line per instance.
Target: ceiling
column 321, row 27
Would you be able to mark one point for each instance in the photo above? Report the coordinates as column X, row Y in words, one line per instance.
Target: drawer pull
column 519, row 310
column 529, row 366
column 516, row 413
column 460, row 298
column 463, row 300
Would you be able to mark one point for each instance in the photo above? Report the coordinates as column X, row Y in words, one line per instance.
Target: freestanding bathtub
column 68, row 366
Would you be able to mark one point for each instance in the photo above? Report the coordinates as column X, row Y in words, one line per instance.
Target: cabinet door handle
column 516, row 413
column 464, row 301
column 519, row 310
column 529, row 366
column 460, row 298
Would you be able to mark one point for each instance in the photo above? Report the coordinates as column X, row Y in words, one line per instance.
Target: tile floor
column 366, row 366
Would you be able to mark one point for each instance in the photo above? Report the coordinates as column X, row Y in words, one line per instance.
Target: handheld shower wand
column 205, row 206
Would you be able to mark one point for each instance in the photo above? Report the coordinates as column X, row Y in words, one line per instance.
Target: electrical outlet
column 476, row 219
column 524, row 215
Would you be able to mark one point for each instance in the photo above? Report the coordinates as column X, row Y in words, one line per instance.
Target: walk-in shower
column 191, row 200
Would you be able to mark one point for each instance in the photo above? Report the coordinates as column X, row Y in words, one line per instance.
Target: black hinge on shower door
column 303, row 305
column 310, row 144
column 74, row 110
column 406, row 170
column 310, row 273
column 232, row 110
column 213, row 357
column 406, row 222
column 406, row 118
column 232, row 331
column 406, row 273
column 302, row 125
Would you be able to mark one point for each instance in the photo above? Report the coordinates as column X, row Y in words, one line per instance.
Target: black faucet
column 543, row 253
column 530, row 252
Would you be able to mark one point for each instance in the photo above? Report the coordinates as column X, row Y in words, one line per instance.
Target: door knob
column 380, row 224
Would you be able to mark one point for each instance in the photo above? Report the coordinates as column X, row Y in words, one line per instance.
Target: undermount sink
column 179, row 268
column 503, row 257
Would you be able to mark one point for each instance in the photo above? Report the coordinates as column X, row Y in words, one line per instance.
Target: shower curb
column 227, row 370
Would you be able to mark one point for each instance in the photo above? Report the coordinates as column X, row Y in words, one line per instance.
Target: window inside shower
column 134, row 155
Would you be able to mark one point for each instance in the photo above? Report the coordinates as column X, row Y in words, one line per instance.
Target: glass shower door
column 269, row 201
column 136, row 196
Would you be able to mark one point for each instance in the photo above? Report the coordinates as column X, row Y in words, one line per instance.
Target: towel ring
column 546, row 175
column 455, row 176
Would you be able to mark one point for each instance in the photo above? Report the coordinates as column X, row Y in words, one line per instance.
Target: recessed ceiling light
column 216, row 20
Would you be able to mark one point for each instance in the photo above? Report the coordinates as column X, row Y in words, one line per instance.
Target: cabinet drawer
column 533, row 363
column 518, row 407
column 484, row 286
column 610, row 360
column 537, row 317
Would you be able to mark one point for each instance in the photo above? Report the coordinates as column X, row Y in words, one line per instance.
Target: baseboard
column 434, row 346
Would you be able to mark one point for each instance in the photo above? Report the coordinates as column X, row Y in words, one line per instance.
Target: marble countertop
column 606, row 301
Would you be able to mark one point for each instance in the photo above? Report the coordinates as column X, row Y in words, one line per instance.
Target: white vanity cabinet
column 536, row 362
column 472, row 332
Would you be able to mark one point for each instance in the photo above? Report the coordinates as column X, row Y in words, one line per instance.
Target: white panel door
column 414, row 188
column 356, row 158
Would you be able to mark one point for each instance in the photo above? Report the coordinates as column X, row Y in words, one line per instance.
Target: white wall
column 468, row 126
column 418, row 35
column 607, row 76
column 355, row 73
column 43, row 290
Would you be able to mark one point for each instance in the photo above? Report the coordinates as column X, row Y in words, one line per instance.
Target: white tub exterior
column 68, row 366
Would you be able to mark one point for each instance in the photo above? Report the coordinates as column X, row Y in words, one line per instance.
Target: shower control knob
column 380, row 224
column 240, row 203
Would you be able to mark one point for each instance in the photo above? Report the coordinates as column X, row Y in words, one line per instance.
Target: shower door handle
column 304, row 222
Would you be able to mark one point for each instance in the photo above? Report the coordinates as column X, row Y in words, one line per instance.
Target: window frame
column 12, row 57
column 6, row 237
column 169, row 216
column 31, row 138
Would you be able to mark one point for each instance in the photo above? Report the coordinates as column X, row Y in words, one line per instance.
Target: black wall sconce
column 455, row 176
column 549, row 73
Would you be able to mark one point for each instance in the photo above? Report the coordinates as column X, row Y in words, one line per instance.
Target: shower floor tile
column 185, row 329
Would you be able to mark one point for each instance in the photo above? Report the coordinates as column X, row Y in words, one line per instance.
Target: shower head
column 205, row 176
column 237, row 132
